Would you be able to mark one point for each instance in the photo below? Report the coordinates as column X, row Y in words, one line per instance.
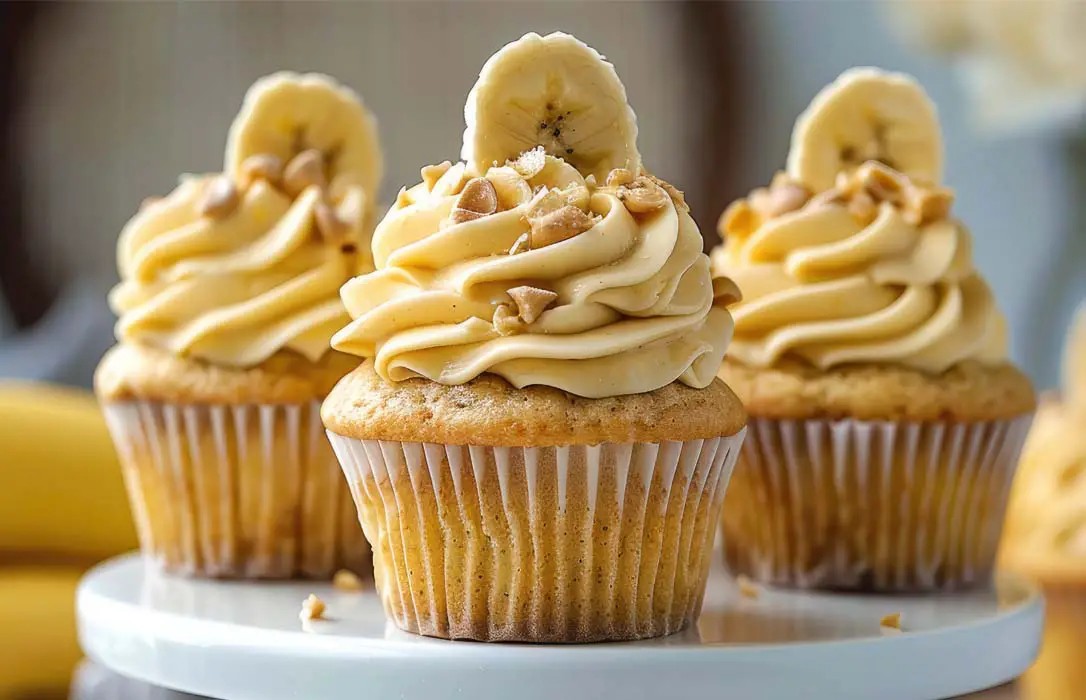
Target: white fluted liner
column 250, row 491
column 871, row 505
column 555, row 544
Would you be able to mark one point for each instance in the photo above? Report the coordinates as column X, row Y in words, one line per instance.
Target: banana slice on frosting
column 554, row 92
column 287, row 114
column 867, row 114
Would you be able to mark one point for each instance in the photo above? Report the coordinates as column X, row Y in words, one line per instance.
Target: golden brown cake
column 227, row 303
column 885, row 419
column 1045, row 535
column 537, row 441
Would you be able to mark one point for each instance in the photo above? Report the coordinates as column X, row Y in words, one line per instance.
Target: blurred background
column 104, row 104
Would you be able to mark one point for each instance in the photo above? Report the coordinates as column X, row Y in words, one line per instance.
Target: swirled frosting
column 629, row 299
column 233, row 289
column 856, row 277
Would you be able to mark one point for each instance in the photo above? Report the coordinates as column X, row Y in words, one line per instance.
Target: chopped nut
column 891, row 622
column 924, row 205
column 260, row 167
column 560, row 225
column 747, row 588
column 478, row 197
column 220, row 198
column 738, row 220
column 506, row 321
column 332, row 228
column 530, row 163
column 461, row 216
column 726, row 292
column 863, row 208
column 346, row 580
column 403, row 199
column 432, row 173
column 312, row 608
column 303, row 171
column 619, row 177
column 642, row 196
column 520, row 245
column 882, row 183
column 531, row 301
column 786, row 198
column 512, row 189
column 577, row 195
column 675, row 193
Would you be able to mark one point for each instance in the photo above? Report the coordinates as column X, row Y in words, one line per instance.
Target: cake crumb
column 747, row 588
column 312, row 609
column 891, row 624
column 345, row 580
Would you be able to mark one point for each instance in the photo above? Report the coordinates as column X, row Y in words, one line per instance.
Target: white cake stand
column 243, row 641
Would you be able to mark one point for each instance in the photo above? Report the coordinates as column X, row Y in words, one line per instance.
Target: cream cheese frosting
column 233, row 268
column 627, row 303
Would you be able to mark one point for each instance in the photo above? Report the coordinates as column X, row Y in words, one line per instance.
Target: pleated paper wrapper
column 540, row 544
column 871, row 506
column 249, row 491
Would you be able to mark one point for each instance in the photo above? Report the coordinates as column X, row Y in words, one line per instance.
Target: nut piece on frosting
column 642, row 196
column 313, row 608
column 303, row 171
column 476, row 200
column 532, row 301
column 220, row 198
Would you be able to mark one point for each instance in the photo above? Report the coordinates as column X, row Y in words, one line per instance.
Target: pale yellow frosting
column 820, row 285
column 634, row 308
column 232, row 290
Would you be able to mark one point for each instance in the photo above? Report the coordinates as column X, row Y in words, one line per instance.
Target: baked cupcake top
column 1045, row 534
column 234, row 267
column 852, row 255
column 549, row 256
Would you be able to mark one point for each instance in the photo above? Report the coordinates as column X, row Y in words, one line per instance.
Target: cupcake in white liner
column 537, row 442
column 227, row 302
column 886, row 421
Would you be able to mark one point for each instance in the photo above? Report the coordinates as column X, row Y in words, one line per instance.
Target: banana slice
column 867, row 114
column 286, row 114
column 554, row 92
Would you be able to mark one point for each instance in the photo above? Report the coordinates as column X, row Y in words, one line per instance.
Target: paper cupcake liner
column 873, row 506
column 549, row 544
column 1060, row 670
column 251, row 491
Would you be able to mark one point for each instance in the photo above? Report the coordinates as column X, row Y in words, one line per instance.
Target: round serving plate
column 245, row 641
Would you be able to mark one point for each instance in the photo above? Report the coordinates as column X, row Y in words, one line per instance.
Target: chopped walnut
column 478, row 199
column 345, row 580
column 882, row 183
column 530, row 163
column 531, row 301
column 747, row 588
column 924, row 205
column 432, row 173
column 506, row 321
column 260, row 167
column 220, row 198
column 303, row 171
column 312, row 608
column 642, row 196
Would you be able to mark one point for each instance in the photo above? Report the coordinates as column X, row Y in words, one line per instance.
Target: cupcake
column 537, row 441
column 885, row 419
column 1045, row 537
column 227, row 303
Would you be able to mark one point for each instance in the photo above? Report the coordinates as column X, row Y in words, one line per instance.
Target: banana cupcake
column 886, row 420
column 227, row 303
column 1045, row 537
column 537, row 441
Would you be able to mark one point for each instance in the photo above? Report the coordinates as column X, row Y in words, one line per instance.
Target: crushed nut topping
column 558, row 225
column 303, row 171
column 432, row 173
column 220, row 198
column 512, row 189
column 882, row 183
column 674, row 192
column 891, row 622
column 506, row 321
column 863, row 208
column 642, row 196
column 520, row 245
column 312, row 608
column 345, row 580
column 925, row 205
column 619, row 177
column 530, row 163
column 747, row 588
column 478, row 199
column 531, row 301
column 260, row 167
